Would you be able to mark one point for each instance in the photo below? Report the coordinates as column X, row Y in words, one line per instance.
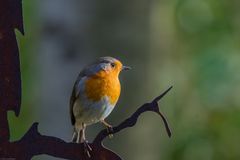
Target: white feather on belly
column 90, row 112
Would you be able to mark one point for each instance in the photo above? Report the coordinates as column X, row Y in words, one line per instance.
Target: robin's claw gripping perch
column 109, row 128
column 87, row 148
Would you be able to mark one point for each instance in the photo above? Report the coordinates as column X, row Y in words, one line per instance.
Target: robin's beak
column 125, row 68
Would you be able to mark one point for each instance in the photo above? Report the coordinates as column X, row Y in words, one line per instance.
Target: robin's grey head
column 108, row 64
column 111, row 64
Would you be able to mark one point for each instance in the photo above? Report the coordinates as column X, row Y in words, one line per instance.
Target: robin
column 95, row 93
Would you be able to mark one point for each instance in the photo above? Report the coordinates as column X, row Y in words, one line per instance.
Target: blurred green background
column 190, row 44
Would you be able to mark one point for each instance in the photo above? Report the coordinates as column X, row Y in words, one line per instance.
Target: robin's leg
column 78, row 135
column 87, row 147
column 74, row 136
column 109, row 128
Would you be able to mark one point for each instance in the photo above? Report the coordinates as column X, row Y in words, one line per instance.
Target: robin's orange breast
column 103, row 84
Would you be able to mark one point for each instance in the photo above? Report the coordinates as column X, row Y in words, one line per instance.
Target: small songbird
column 95, row 93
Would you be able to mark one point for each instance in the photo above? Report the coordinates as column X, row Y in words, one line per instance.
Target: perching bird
column 95, row 93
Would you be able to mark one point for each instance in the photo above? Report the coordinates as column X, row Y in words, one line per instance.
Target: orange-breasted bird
column 95, row 93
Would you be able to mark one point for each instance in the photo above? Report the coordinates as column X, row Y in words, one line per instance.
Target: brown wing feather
column 74, row 95
column 72, row 101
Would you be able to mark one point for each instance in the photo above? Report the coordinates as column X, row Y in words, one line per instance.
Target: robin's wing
column 72, row 101
column 75, row 94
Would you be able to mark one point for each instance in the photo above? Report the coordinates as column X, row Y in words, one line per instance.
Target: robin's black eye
column 112, row 65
